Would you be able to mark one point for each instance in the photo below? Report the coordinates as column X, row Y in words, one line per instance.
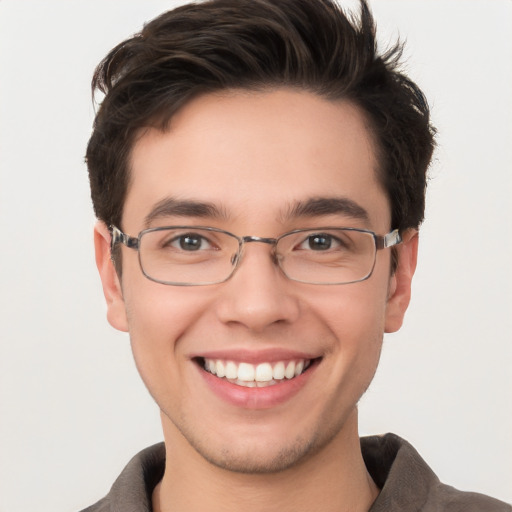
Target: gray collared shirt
column 406, row 482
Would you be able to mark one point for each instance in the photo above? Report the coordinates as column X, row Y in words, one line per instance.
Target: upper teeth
column 263, row 372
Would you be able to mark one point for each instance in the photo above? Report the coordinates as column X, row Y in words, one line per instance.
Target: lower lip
column 257, row 398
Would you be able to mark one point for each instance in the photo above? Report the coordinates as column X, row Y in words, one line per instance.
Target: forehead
column 256, row 155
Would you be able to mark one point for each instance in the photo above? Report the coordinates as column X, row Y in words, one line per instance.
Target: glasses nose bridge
column 260, row 239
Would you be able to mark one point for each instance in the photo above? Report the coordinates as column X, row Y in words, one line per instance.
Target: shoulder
column 101, row 506
column 448, row 499
column 408, row 483
column 132, row 490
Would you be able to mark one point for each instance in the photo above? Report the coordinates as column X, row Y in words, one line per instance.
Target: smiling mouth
column 256, row 375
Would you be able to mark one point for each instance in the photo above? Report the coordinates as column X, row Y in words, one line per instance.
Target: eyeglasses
column 191, row 255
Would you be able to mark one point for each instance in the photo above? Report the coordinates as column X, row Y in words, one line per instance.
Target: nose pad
column 237, row 256
column 275, row 258
column 235, row 259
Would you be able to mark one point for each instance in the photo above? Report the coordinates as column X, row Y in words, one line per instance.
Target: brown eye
column 189, row 242
column 319, row 242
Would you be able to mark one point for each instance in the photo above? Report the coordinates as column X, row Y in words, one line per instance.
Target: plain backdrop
column 72, row 407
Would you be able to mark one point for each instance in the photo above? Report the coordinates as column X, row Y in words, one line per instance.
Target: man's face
column 254, row 157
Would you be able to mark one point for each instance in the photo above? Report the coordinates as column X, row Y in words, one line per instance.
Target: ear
column 116, row 312
column 399, row 293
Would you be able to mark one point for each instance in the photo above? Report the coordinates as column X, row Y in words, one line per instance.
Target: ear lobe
column 400, row 283
column 116, row 311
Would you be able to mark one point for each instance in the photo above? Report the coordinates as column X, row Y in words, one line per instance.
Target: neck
column 334, row 479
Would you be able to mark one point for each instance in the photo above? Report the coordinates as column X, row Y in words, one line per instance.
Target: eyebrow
column 172, row 207
column 316, row 207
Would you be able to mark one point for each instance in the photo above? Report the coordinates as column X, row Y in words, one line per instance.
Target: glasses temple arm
column 389, row 240
column 119, row 237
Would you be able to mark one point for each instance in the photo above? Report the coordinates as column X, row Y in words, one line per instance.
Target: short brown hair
column 256, row 44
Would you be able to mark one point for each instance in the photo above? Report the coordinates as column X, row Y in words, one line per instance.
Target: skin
column 253, row 155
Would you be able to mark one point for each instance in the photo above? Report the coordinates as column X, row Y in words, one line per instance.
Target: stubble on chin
column 257, row 458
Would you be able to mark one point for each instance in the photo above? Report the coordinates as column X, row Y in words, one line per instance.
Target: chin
column 262, row 451
column 258, row 459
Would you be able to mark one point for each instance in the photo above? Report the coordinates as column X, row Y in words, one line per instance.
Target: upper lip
column 255, row 356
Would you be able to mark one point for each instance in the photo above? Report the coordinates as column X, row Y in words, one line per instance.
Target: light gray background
column 72, row 407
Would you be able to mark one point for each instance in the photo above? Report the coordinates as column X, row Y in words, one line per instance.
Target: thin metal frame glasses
column 199, row 255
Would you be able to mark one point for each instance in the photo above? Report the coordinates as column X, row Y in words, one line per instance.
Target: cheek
column 352, row 310
column 159, row 317
column 355, row 319
column 157, row 314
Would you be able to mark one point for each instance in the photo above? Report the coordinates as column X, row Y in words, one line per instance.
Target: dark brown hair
column 257, row 44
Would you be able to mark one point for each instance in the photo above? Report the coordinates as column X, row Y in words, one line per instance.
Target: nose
column 258, row 295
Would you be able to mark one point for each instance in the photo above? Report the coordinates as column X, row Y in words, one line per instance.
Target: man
column 258, row 172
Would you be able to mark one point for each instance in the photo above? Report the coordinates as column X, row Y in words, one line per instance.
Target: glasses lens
column 327, row 256
column 187, row 255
